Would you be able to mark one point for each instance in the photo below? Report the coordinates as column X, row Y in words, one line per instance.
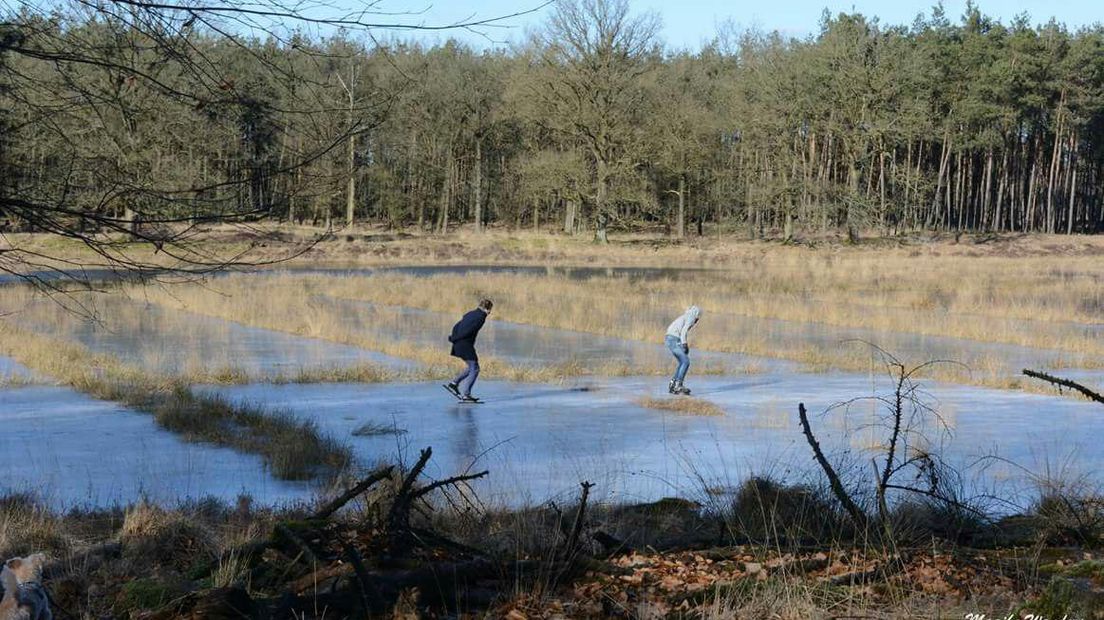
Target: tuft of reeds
column 682, row 405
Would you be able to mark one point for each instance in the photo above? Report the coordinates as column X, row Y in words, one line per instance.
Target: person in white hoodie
column 678, row 333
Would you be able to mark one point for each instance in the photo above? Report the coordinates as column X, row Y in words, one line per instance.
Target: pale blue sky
column 688, row 23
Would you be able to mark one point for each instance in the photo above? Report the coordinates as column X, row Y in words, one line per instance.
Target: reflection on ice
column 518, row 343
column 172, row 341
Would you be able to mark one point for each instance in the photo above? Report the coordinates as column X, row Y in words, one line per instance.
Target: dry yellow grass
column 980, row 300
column 293, row 304
column 1031, row 292
column 684, row 405
column 26, row 527
column 618, row 307
column 805, row 297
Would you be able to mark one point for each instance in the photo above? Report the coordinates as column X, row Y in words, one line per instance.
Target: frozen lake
column 538, row 440
column 72, row 450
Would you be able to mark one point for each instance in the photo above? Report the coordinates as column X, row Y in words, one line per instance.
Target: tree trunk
column 477, row 182
column 944, row 159
column 350, row 197
column 601, row 219
column 681, row 206
column 1055, row 166
column 1001, row 186
column 882, row 189
column 350, row 192
column 446, row 195
column 1073, row 185
column 601, row 222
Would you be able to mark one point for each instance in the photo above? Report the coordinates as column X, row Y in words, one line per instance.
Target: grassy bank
column 292, row 449
column 770, row 551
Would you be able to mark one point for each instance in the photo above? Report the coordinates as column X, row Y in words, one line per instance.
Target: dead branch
column 611, row 544
column 443, row 541
column 580, row 516
column 849, row 505
column 398, row 518
column 448, row 481
column 329, row 509
column 1065, row 383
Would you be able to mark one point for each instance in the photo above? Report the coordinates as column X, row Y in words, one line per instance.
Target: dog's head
column 25, row 570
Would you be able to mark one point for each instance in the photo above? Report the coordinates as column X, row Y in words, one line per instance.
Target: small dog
column 24, row 596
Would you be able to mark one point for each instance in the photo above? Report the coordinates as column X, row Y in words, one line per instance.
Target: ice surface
column 71, row 450
column 539, row 441
column 12, row 371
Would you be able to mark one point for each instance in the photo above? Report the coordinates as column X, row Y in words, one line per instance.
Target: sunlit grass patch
column 27, row 527
column 682, row 404
column 357, row 373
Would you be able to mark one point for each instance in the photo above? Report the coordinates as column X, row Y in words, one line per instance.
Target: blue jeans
column 683, row 359
column 466, row 379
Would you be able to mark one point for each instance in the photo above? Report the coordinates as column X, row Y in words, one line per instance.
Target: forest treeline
column 964, row 124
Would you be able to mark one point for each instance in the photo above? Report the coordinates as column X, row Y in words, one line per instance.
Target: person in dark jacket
column 463, row 346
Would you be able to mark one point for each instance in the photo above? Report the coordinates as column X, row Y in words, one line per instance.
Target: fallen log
column 319, row 577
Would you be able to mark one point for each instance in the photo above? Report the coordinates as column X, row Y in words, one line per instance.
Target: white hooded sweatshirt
column 680, row 328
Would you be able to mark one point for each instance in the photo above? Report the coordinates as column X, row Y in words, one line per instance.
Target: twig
column 1091, row 395
column 329, row 509
column 448, row 481
column 399, row 515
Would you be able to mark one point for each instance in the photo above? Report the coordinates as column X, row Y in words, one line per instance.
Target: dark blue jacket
column 464, row 333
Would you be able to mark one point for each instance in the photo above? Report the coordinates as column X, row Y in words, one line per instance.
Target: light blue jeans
column 683, row 359
column 466, row 379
